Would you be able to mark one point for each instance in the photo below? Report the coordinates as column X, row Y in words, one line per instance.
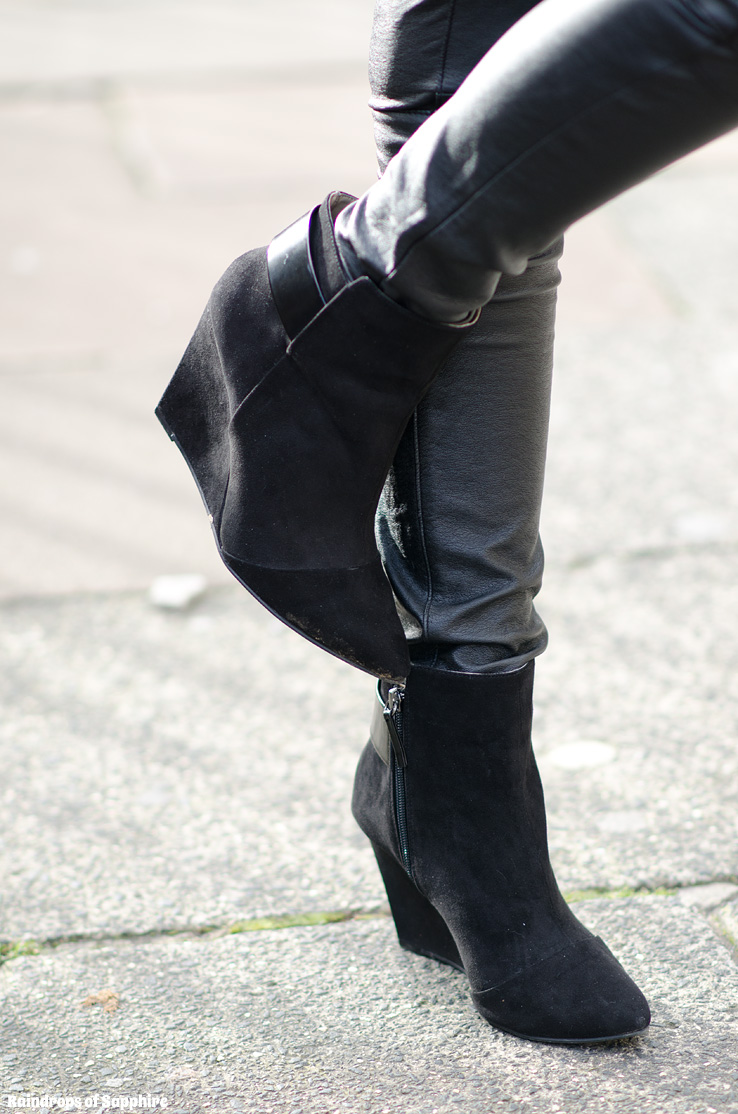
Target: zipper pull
column 393, row 719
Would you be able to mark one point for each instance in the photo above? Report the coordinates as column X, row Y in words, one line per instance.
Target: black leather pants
column 581, row 99
column 458, row 521
column 578, row 101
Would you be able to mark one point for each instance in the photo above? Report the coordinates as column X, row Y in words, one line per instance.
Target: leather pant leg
column 421, row 51
column 578, row 101
column 458, row 521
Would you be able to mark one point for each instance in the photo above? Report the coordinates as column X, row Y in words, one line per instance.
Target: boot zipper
column 393, row 718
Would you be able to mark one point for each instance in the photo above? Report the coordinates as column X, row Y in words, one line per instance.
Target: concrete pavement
column 178, row 851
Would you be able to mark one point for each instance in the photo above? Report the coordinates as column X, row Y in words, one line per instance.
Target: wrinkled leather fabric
column 581, row 99
column 421, row 51
column 458, row 520
column 457, row 525
column 578, row 101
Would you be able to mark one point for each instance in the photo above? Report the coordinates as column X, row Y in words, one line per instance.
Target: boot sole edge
column 564, row 1040
column 166, row 425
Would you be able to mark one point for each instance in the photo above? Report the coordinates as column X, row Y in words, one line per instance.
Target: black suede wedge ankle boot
column 449, row 794
column 288, row 406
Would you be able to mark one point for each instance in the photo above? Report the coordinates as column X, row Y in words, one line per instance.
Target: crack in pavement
column 15, row 949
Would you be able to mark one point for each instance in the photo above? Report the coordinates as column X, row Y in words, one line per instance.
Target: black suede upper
column 290, row 442
column 476, row 830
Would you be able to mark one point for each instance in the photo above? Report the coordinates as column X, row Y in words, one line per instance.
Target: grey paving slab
column 642, row 452
column 100, row 501
column 166, row 769
column 686, row 227
column 190, row 768
column 291, row 140
column 642, row 663
column 604, row 280
column 662, row 250
column 339, row 1019
column 77, row 40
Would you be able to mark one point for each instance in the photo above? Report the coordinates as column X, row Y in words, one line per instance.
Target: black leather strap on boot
column 295, row 274
column 292, row 277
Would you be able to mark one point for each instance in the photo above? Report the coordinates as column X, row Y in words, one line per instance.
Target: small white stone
column 579, row 755
column 725, row 371
column 177, row 592
column 24, row 260
column 701, row 526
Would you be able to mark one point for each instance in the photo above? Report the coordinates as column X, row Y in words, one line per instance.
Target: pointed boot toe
column 579, row 995
column 288, row 406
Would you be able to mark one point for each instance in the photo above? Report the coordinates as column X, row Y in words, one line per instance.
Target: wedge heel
column 195, row 414
column 419, row 927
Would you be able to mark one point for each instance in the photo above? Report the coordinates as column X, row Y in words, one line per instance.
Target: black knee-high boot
column 449, row 794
